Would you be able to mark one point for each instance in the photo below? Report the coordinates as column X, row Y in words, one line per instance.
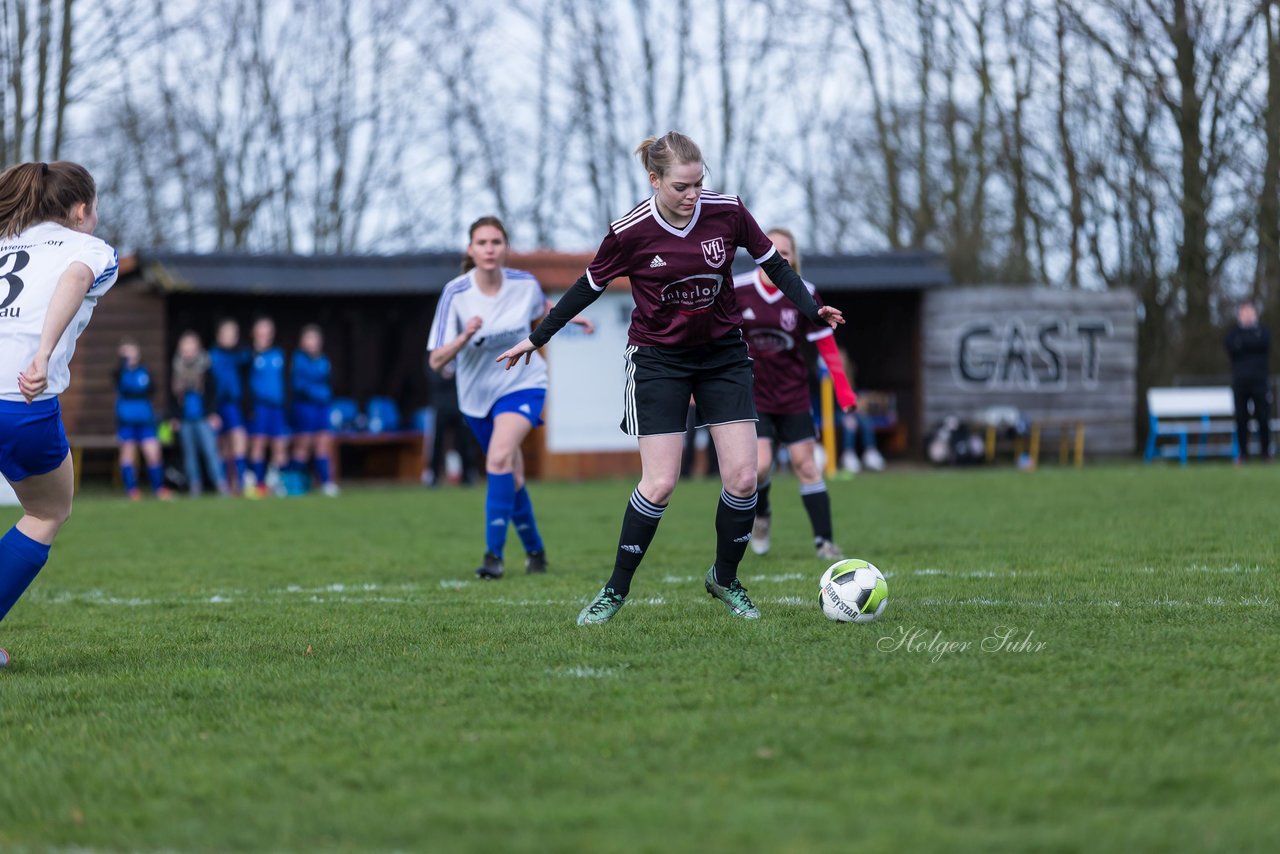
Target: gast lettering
column 1043, row 354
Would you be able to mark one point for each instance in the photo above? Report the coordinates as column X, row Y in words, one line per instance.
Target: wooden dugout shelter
column 376, row 312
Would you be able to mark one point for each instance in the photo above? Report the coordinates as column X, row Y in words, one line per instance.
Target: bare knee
column 657, row 489
column 43, row 523
column 740, row 480
column 807, row 470
column 499, row 461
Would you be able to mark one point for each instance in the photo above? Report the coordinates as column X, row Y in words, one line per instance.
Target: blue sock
column 155, row 474
column 20, row 561
column 241, row 468
column 526, row 525
column 129, row 475
column 260, row 470
column 323, row 471
column 498, row 505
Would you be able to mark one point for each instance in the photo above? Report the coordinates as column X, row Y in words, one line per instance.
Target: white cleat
column 872, row 460
column 331, row 489
column 828, row 550
column 849, row 462
column 760, row 534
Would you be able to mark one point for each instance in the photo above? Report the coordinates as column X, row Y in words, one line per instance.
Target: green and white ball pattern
column 853, row 591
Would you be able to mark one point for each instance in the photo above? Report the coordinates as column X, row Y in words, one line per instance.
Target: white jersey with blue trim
column 30, row 266
column 506, row 315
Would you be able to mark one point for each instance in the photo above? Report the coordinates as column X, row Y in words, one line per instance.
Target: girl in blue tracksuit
column 136, row 423
column 267, row 396
column 227, row 362
column 311, row 384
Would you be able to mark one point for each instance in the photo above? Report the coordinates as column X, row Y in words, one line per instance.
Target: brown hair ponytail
column 32, row 193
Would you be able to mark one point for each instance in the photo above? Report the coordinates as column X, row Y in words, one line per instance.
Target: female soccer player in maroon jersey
column 773, row 330
column 685, row 338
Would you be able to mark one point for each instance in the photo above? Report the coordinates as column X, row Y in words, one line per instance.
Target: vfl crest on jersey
column 692, row 293
column 788, row 319
column 713, row 251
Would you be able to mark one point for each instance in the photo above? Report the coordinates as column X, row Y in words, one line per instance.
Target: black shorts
column 785, row 428
column 660, row 381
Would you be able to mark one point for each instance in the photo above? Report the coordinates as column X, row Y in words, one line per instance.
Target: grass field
column 315, row 674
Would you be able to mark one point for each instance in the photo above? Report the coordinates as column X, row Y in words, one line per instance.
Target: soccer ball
column 853, row 591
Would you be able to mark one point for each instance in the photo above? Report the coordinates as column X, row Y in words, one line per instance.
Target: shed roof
column 872, row 271
column 428, row 273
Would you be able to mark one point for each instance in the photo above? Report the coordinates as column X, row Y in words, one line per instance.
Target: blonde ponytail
column 659, row 154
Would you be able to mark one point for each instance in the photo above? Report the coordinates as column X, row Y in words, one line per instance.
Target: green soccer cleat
column 734, row 597
column 602, row 608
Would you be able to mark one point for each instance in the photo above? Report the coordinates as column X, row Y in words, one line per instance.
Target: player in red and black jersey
column 774, row 329
column 685, row 339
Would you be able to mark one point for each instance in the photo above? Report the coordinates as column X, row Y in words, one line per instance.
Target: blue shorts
column 268, row 420
column 32, row 439
column 231, row 416
column 311, row 418
column 135, row 432
column 527, row 402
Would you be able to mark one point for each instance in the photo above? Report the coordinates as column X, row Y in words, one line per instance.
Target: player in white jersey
column 52, row 273
column 480, row 314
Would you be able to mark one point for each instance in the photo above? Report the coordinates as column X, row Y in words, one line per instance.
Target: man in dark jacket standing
column 1249, row 346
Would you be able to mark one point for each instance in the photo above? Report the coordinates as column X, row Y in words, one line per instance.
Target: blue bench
column 1205, row 415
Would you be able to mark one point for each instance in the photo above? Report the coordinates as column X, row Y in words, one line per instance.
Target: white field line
column 364, row 597
column 584, row 672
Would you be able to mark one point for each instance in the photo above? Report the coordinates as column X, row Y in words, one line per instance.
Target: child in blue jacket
column 227, row 363
column 268, row 425
column 136, row 423
column 310, row 380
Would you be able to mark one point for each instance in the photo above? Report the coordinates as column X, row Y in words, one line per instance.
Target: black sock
column 639, row 524
column 734, row 518
column 817, row 503
column 762, row 499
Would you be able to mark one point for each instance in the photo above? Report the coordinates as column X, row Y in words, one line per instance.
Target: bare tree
column 1067, row 145
column 37, row 62
column 886, row 124
column 1266, row 284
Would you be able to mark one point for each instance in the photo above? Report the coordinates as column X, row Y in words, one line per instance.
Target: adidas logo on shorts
column 657, row 262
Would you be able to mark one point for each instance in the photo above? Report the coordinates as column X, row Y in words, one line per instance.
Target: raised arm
column 573, row 303
column 578, row 297
column 445, row 353
column 846, row 399
column 790, row 283
column 68, row 296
